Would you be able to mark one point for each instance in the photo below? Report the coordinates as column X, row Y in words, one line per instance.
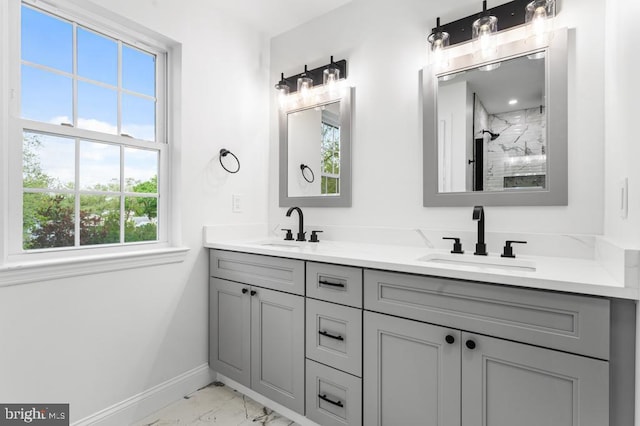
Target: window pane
column 138, row 71
column 97, row 57
column 142, row 219
column 48, row 161
column 99, row 166
column 97, row 108
column 138, row 117
column 46, row 96
column 46, row 40
column 99, row 220
column 141, row 170
column 48, row 220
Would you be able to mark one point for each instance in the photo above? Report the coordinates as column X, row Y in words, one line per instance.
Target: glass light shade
column 331, row 75
column 439, row 42
column 539, row 16
column 304, row 85
column 483, row 34
column 283, row 89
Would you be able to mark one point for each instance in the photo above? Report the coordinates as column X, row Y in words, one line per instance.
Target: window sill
column 29, row 272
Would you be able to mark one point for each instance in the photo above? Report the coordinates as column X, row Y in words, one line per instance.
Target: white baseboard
column 281, row 409
column 141, row 405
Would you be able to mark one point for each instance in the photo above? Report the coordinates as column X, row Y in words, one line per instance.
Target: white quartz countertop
column 549, row 273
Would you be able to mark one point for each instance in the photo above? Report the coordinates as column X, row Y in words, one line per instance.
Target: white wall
column 96, row 340
column 385, row 44
column 622, row 94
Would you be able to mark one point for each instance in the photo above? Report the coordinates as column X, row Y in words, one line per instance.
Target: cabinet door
column 411, row 375
column 230, row 329
column 277, row 347
column 506, row 383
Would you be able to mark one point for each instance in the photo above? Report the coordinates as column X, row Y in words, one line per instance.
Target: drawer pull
column 253, row 292
column 333, row 336
column 470, row 344
column 323, row 282
column 324, row 398
column 245, row 290
column 450, row 339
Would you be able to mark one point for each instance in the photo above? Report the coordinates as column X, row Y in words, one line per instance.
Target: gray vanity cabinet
column 435, row 368
column 411, row 375
column 506, row 383
column 230, row 328
column 257, row 333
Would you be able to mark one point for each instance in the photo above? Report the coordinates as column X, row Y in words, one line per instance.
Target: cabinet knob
column 470, row 344
column 450, row 339
column 245, row 290
column 253, row 292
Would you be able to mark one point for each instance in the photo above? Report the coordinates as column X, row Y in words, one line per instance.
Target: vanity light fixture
column 539, row 16
column 303, row 83
column 439, row 41
column 513, row 101
column 483, row 33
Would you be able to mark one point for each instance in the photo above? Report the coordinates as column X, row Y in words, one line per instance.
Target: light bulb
column 483, row 33
column 539, row 14
column 439, row 41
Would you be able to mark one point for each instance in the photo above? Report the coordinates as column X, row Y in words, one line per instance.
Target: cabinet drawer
column 572, row 323
column 334, row 335
column 338, row 284
column 333, row 398
column 263, row 271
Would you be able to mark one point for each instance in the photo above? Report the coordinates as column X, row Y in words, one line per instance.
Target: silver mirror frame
column 344, row 198
column 556, row 191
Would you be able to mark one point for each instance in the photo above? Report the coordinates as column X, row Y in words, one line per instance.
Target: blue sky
column 47, row 96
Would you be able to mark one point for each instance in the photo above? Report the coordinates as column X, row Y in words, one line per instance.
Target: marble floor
column 215, row 404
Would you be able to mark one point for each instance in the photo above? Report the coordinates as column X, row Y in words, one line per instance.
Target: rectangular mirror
column 495, row 133
column 315, row 152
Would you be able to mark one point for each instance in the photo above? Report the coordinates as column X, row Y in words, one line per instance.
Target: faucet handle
column 457, row 247
column 314, row 237
column 508, row 250
column 289, row 236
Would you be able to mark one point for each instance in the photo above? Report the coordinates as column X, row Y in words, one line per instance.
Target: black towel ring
column 223, row 153
column 313, row 176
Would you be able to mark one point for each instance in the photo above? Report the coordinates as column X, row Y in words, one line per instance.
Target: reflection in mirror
column 492, row 127
column 495, row 133
column 314, row 147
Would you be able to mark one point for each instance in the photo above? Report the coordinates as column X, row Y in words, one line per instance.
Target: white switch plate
column 236, row 203
column 624, row 198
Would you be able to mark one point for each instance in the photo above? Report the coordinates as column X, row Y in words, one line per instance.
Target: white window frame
column 12, row 257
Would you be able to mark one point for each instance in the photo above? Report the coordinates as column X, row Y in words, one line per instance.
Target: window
column 330, row 154
column 90, row 128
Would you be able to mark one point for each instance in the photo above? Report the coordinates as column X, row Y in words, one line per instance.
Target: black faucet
column 481, row 247
column 301, row 233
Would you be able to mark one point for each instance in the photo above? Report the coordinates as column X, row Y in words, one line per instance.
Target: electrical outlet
column 624, row 198
column 236, row 203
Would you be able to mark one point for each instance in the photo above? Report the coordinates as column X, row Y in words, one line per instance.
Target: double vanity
column 346, row 333
column 361, row 334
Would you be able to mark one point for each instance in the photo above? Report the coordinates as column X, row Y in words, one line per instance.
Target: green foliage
column 49, row 218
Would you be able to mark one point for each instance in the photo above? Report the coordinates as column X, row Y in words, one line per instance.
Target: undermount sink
column 493, row 262
column 283, row 244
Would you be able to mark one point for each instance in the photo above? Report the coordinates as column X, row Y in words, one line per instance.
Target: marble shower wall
column 517, row 158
